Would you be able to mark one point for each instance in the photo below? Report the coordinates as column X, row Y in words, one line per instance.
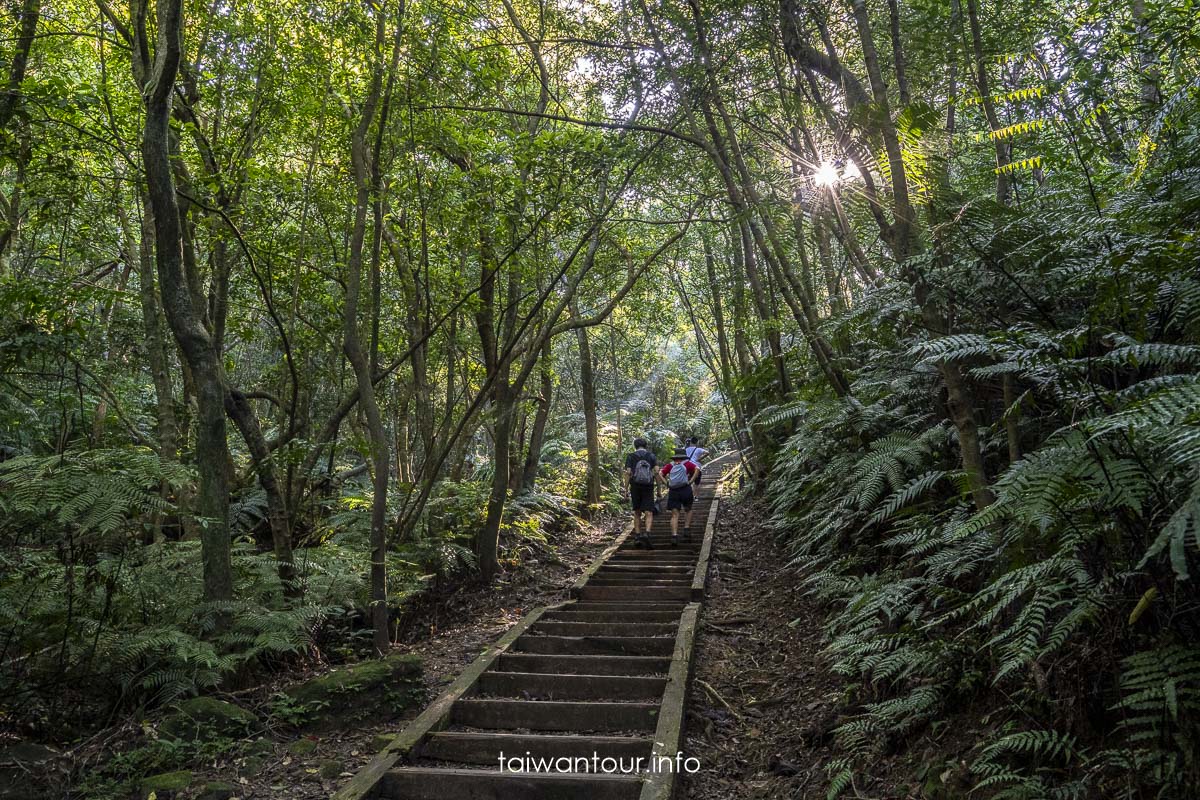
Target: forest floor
column 450, row 634
column 764, row 701
column 762, row 709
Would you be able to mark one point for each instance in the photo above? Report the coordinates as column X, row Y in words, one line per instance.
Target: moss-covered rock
column 217, row 790
column 260, row 747
column 203, row 717
column 330, row 769
column 374, row 689
column 302, row 747
column 165, row 786
column 251, row 766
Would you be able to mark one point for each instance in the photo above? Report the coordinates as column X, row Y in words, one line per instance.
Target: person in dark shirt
column 679, row 476
column 639, row 477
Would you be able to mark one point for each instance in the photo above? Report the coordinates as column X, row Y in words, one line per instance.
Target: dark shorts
column 641, row 497
column 680, row 498
column 699, row 477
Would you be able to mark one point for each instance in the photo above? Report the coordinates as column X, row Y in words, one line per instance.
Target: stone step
column 665, row 536
column 664, row 544
column 634, row 583
column 581, row 664
column 611, row 616
column 622, row 628
column 485, row 748
column 550, row 686
column 596, row 645
column 642, row 578
column 665, row 569
column 646, row 582
column 423, row 783
column 554, row 715
column 674, row 606
column 626, row 593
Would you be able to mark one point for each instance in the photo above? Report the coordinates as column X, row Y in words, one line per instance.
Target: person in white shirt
column 694, row 453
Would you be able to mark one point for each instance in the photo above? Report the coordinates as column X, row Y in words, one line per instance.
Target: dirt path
column 763, row 702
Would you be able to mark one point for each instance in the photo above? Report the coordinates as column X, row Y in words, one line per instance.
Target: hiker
column 694, row 453
column 678, row 477
column 639, row 477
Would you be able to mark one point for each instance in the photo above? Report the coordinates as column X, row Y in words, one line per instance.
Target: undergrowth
column 1066, row 610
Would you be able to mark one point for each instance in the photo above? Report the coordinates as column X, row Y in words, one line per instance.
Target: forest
column 316, row 317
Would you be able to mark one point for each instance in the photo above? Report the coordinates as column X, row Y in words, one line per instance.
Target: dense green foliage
column 1063, row 611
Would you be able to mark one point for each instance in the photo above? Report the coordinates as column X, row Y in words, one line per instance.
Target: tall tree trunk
column 195, row 342
column 359, row 359
column 141, row 250
column 403, row 453
column 1012, row 417
column 961, row 400
column 902, row 238
column 18, row 61
column 724, row 354
column 243, row 416
column 489, row 537
column 516, row 454
column 537, row 435
column 587, row 386
column 952, row 69
column 1003, row 148
column 10, row 99
column 1150, row 74
column 898, row 52
column 498, row 370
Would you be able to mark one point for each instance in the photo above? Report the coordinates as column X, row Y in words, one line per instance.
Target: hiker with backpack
column 679, row 476
column 694, row 453
column 640, row 475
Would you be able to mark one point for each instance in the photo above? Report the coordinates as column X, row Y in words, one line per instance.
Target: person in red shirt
column 679, row 476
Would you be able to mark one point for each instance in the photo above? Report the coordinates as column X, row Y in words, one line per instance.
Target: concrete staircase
column 603, row 676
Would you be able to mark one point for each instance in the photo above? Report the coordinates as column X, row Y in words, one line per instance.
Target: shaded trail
column 600, row 680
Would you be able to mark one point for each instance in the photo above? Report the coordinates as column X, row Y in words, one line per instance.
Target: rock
column 203, row 717
column 27, row 770
column 251, row 766
column 381, row 741
column 260, row 747
column 330, row 769
column 165, row 786
column 217, row 790
column 377, row 689
column 302, row 747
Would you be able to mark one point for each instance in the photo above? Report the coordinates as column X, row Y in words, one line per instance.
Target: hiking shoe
column 674, row 541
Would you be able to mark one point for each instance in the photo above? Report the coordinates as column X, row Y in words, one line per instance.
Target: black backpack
column 643, row 468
